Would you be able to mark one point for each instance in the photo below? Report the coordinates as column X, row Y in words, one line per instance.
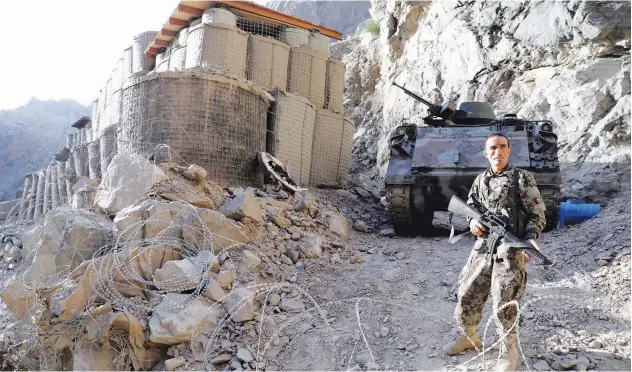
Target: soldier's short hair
column 498, row 134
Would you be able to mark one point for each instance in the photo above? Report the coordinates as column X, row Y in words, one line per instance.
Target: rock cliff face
column 29, row 135
column 568, row 62
column 343, row 16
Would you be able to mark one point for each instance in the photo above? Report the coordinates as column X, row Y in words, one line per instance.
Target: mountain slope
column 568, row 62
column 30, row 135
column 343, row 16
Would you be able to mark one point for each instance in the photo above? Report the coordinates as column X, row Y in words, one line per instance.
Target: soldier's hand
column 534, row 244
column 477, row 228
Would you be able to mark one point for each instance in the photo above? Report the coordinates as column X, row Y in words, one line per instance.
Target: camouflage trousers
column 503, row 274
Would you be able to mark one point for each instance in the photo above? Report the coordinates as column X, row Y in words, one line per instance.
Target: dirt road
column 395, row 310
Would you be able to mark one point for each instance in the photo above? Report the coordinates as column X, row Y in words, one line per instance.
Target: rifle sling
column 453, row 239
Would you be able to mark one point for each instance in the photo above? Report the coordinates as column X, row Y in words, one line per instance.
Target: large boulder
column 127, row 179
column 177, row 276
column 209, row 229
column 127, row 280
column 243, row 205
column 200, row 227
column 277, row 215
column 93, row 349
column 83, row 181
column 311, row 247
column 149, row 219
column 171, row 327
column 83, row 198
column 18, row 299
column 68, row 237
column 195, row 173
column 181, row 275
column 339, row 225
column 240, row 305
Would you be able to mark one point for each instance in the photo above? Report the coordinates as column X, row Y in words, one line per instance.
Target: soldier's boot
column 463, row 342
column 509, row 355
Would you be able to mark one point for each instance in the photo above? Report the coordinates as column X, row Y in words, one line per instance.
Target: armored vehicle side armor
column 428, row 164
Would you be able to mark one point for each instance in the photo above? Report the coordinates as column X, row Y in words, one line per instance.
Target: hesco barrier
column 107, row 148
column 334, row 85
column 295, row 37
column 331, row 150
column 307, row 73
column 208, row 119
column 94, row 118
column 127, row 63
column 217, row 16
column 292, row 133
column 177, row 60
column 38, row 209
column 181, row 40
column 162, row 62
column 268, row 61
column 222, row 47
column 80, row 155
column 114, row 111
column 139, row 44
column 319, row 42
column 94, row 160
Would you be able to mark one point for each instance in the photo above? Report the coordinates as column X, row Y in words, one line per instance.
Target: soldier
column 501, row 188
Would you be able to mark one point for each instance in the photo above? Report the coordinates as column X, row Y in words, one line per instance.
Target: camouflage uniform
column 504, row 273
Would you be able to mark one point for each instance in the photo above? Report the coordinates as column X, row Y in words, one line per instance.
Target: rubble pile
column 174, row 273
column 588, row 245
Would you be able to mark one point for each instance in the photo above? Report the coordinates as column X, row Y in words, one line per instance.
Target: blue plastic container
column 575, row 201
column 576, row 211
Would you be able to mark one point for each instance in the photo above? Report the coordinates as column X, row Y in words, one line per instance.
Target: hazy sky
column 56, row 49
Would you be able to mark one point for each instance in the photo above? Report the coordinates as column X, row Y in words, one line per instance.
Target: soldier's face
column 497, row 152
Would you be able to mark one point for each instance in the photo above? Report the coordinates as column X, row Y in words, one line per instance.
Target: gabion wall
column 307, row 74
column 331, row 150
column 268, row 61
column 293, row 132
column 334, row 85
column 220, row 46
column 208, row 119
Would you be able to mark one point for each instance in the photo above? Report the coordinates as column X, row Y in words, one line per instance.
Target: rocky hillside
column 29, row 135
column 343, row 16
column 563, row 61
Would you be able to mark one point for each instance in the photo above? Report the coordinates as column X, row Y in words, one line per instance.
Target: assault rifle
column 497, row 227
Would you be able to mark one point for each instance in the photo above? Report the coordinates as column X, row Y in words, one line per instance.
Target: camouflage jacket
column 494, row 191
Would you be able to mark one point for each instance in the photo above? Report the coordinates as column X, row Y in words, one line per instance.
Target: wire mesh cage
column 268, row 61
column 319, row 42
column 197, row 117
column 334, row 85
column 162, row 61
column 107, row 148
column 94, row 160
column 218, row 16
column 140, row 64
column 218, row 46
column 295, row 37
column 262, row 28
column 293, row 131
column 307, row 73
column 331, row 149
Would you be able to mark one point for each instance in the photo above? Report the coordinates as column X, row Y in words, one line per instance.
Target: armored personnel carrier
column 430, row 163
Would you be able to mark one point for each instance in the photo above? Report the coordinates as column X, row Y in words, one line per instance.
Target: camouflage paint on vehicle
column 429, row 164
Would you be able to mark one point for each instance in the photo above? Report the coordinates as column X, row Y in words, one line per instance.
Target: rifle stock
column 460, row 207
